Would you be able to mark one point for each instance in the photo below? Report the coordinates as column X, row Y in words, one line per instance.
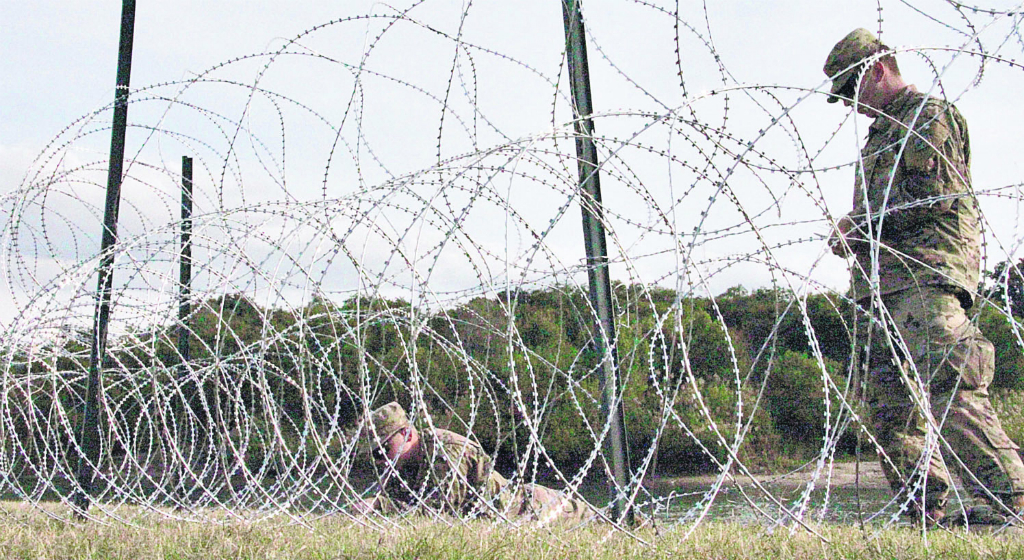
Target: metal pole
column 184, row 310
column 597, row 256
column 89, row 435
column 185, row 266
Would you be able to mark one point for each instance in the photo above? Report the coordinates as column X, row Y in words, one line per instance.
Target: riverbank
column 844, row 475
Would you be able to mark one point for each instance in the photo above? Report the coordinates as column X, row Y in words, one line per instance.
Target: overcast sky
column 58, row 61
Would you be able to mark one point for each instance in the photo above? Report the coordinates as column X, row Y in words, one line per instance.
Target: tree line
column 764, row 376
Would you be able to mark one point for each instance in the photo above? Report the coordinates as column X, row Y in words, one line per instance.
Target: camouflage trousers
column 925, row 358
column 546, row 505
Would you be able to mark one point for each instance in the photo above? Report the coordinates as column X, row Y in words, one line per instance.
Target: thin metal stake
column 89, row 435
column 185, row 266
column 597, row 257
column 184, row 310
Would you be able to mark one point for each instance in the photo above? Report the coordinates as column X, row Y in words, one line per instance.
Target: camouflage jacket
column 455, row 477
column 913, row 204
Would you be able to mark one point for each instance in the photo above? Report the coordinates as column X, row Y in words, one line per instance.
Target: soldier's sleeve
column 932, row 172
column 478, row 476
column 457, row 470
column 484, row 485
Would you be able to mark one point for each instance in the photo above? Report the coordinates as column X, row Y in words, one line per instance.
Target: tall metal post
column 597, row 256
column 89, row 434
column 185, row 266
column 184, row 310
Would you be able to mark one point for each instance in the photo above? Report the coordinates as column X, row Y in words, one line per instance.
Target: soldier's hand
column 839, row 240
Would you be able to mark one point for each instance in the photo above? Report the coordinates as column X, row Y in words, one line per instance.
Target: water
column 781, row 500
column 748, row 504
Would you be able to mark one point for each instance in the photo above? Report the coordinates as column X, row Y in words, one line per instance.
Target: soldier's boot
column 989, row 514
column 934, row 515
column 1017, row 505
column 981, row 514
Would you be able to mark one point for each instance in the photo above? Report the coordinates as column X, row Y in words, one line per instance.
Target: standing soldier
column 449, row 473
column 916, row 221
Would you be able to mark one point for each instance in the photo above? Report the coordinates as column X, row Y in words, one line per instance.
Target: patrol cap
column 389, row 419
column 842, row 63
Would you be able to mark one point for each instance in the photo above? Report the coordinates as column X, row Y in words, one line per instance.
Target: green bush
column 1009, row 405
column 795, row 396
column 703, row 425
column 487, row 365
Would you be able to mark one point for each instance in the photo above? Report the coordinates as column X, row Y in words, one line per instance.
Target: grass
column 30, row 535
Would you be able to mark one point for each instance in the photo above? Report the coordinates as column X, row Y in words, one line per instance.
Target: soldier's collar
column 890, row 114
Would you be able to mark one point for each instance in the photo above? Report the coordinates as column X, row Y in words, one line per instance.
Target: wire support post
column 597, row 259
column 185, row 267
column 181, row 395
column 89, row 433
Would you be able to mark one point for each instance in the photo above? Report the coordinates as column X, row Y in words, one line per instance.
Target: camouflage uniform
column 917, row 220
column 457, row 477
column 942, row 359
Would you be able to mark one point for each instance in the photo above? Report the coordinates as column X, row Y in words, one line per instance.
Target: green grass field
column 30, row 535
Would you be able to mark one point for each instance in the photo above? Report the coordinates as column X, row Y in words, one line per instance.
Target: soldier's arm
column 453, row 470
column 932, row 175
column 478, row 484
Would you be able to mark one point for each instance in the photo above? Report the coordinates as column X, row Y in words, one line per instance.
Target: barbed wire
column 404, row 238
